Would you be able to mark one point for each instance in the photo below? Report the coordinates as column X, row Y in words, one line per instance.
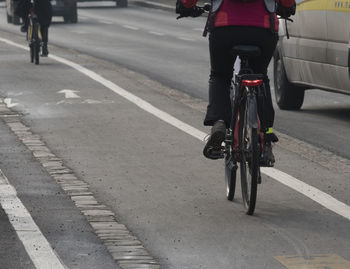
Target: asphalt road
column 152, row 175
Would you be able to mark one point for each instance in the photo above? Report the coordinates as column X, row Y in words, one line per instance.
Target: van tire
column 288, row 96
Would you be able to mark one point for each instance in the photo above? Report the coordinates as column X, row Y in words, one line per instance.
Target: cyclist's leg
column 219, row 108
column 44, row 34
column 221, row 63
column 260, row 66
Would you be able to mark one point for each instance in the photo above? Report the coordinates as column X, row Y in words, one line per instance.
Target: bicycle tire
column 230, row 173
column 36, row 44
column 31, row 52
column 249, row 159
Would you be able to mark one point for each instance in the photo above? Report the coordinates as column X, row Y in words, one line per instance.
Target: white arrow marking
column 8, row 101
column 69, row 93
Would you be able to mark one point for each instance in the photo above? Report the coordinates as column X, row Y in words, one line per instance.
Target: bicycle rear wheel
column 249, row 157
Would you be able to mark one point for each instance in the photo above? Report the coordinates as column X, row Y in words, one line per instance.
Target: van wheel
column 122, row 3
column 288, row 96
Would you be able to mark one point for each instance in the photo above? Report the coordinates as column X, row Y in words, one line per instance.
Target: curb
column 124, row 247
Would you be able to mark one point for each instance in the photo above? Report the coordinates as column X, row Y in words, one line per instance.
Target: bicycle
column 33, row 38
column 244, row 139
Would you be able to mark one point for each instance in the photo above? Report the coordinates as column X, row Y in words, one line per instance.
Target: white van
column 316, row 56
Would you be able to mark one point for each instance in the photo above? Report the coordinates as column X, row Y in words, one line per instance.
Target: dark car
column 62, row 8
column 65, row 8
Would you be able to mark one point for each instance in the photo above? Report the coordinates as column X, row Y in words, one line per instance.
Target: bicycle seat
column 246, row 51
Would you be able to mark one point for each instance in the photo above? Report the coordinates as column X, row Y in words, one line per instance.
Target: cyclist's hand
column 187, row 12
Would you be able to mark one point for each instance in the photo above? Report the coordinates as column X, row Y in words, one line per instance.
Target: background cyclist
column 43, row 10
column 230, row 23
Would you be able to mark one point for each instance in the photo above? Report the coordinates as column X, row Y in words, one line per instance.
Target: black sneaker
column 271, row 137
column 45, row 51
column 268, row 159
column 24, row 28
column 213, row 149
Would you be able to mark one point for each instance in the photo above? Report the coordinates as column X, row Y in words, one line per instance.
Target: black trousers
column 44, row 33
column 221, row 41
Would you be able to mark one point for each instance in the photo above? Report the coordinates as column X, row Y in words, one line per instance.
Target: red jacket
column 244, row 14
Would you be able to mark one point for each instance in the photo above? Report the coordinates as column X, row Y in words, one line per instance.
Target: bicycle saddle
column 246, row 51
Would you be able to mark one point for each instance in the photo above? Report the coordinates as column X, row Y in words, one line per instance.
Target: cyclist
column 230, row 23
column 43, row 10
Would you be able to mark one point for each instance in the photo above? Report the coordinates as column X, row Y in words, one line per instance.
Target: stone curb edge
column 127, row 251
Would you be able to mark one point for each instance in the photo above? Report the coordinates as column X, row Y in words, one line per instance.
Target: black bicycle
column 33, row 37
column 244, row 141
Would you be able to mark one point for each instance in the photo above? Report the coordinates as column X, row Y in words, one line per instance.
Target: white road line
column 130, row 27
column 34, row 242
column 186, row 38
column 314, row 194
column 311, row 192
column 69, row 93
column 8, row 102
column 156, row 33
column 106, row 22
column 79, row 32
column 158, row 4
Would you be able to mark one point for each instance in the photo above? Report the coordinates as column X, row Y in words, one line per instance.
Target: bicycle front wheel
column 249, row 160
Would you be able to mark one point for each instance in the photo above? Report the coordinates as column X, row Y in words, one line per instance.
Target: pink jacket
column 244, row 14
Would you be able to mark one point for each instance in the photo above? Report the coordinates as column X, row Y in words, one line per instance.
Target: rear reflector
column 252, row 83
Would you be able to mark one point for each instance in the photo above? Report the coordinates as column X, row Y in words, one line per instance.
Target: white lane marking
column 156, row 33
column 130, row 27
column 186, row 38
column 78, row 32
column 198, row 29
column 158, row 4
column 69, row 93
column 34, row 242
column 8, row 102
column 106, row 22
column 320, row 197
column 314, row 194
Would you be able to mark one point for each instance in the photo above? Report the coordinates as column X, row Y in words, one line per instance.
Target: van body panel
column 317, row 53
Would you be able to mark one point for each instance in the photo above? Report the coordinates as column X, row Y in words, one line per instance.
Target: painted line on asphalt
column 34, row 242
column 186, row 38
column 156, row 33
column 309, row 191
column 130, row 27
column 106, row 22
column 158, row 4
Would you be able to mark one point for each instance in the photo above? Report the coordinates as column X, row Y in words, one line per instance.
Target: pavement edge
column 125, row 248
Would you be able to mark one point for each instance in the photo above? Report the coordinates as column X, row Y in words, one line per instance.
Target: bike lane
column 154, row 177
